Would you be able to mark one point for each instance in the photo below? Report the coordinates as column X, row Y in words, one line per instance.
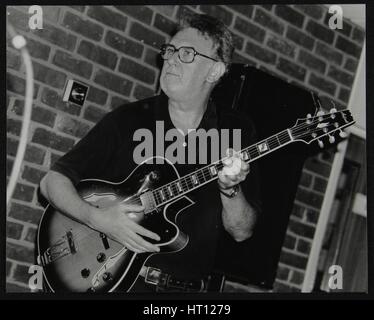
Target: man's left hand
column 235, row 170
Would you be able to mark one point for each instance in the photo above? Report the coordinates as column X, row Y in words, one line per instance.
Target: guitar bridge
column 61, row 248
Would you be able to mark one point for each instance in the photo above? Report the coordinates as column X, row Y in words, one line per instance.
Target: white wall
column 357, row 102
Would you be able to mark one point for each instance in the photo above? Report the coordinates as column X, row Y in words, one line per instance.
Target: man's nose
column 173, row 59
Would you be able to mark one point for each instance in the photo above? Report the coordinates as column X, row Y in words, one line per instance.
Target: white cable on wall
column 19, row 42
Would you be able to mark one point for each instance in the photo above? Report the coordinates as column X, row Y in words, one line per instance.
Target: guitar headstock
column 315, row 127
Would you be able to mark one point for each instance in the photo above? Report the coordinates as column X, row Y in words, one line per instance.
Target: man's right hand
column 119, row 223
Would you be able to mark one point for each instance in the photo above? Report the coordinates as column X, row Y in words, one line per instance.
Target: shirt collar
column 208, row 121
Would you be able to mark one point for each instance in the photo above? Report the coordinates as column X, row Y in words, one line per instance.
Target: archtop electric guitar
column 77, row 258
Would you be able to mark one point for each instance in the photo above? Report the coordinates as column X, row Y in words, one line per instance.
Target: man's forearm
column 238, row 216
column 61, row 193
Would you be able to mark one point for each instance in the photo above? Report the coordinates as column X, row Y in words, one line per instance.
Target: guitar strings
column 281, row 137
column 185, row 181
column 200, row 174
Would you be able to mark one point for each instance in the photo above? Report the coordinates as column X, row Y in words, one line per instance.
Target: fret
column 180, row 189
column 253, row 152
column 200, row 177
column 166, row 192
column 272, row 142
column 170, row 191
column 208, row 173
column 187, row 183
column 183, row 183
column 204, row 175
column 163, row 198
column 277, row 136
column 284, row 137
column 174, row 188
column 157, row 197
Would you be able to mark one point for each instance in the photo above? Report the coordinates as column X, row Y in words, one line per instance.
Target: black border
column 237, row 299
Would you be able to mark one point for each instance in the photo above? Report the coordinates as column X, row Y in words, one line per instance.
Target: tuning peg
column 331, row 139
column 320, row 143
column 308, row 120
column 320, row 115
column 342, row 134
column 333, row 110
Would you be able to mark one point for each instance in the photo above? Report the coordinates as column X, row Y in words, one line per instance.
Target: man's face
column 183, row 81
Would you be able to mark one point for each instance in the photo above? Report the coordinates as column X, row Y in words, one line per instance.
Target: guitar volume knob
column 101, row 257
column 107, row 276
column 342, row 134
column 85, row 273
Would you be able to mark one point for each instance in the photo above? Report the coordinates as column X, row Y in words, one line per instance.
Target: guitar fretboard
column 209, row 173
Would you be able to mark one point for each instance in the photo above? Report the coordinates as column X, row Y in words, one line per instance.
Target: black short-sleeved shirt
column 106, row 153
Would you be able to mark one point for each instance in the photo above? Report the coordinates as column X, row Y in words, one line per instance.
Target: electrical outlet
column 75, row 92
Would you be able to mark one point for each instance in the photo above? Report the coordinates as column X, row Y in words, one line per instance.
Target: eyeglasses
column 185, row 54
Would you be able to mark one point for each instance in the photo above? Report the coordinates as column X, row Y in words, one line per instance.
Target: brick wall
column 114, row 49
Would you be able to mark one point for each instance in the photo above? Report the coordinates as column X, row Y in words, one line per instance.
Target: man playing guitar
column 195, row 59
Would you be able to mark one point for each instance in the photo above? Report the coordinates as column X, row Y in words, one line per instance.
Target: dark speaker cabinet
column 273, row 105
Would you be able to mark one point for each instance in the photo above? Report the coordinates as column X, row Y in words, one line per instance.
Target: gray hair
column 216, row 30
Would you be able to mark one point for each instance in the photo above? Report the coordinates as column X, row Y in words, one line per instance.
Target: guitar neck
column 209, row 173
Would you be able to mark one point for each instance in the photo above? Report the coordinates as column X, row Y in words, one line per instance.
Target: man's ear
column 216, row 71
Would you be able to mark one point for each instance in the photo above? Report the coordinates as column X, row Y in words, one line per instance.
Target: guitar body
column 76, row 258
